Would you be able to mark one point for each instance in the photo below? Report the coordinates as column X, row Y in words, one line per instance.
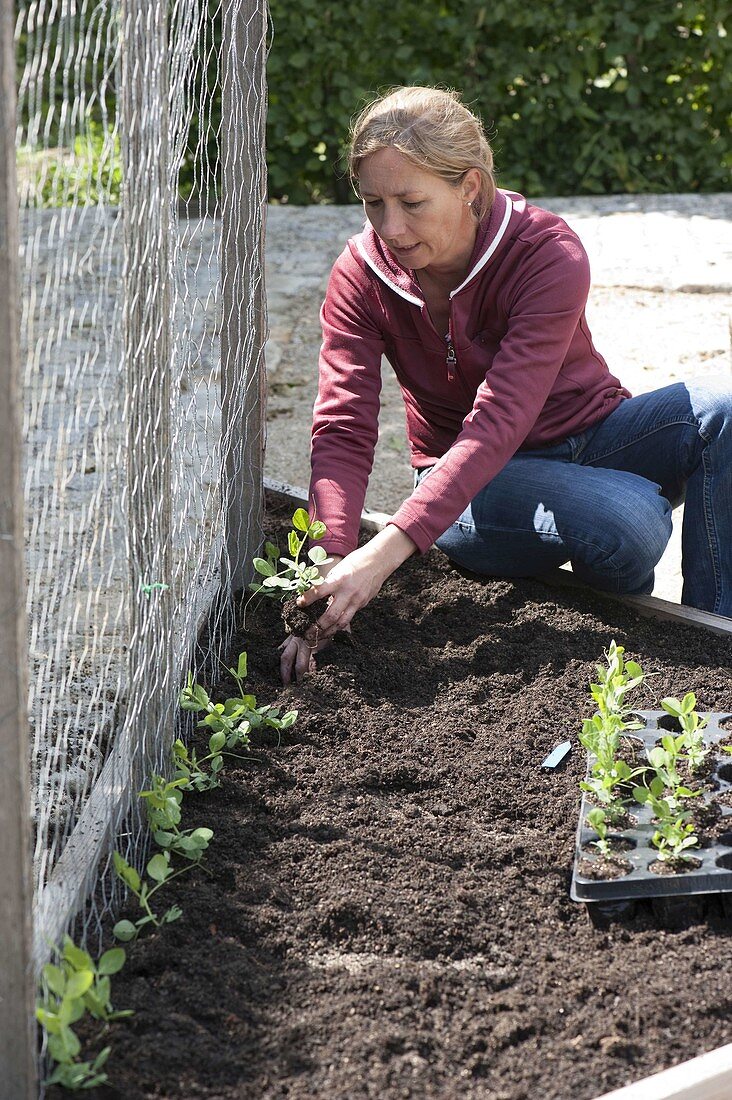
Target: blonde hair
column 434, row 130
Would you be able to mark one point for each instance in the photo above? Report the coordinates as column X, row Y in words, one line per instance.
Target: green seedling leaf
column 128, row 874
column 318, row 555
column 159, row 867
column 171, row 915
column 263, row 567
column 78, row 983
column 242, row 667
column 216, row 742
column 101, row 1058
column 203, row 834
column 125, row 931
column 64, row 1047
column 293, row 544
column 55, row 979
column 112, row 961
column 317, row 529
column 49, row 1021
column 163, row 839
column 301, row 520
column 74, row 955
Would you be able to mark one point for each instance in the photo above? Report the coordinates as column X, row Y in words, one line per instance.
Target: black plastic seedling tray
column 713, row 876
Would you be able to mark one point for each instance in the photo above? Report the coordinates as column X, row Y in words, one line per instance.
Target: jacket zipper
column 451, row 359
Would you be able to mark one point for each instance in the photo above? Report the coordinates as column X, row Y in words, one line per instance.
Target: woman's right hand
column 297, row 655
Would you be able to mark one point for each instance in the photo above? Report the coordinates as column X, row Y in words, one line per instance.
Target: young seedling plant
column 610, row 775
column 72, row 987
column 597, row 819
column 159, row 871
column 674, row 832
column 230, row 724
column 692, row 724
column 286, row 578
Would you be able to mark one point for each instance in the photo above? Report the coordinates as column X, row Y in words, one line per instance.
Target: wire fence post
column 17, row 1032
column 244, row 321
column 147, row 218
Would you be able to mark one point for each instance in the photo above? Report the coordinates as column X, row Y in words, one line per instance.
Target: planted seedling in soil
column 230, row 724
column 72, row 987
column 159, row 870
column 162, row 803
column 297, row 575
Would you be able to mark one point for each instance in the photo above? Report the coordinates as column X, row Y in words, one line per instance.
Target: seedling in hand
column 298, row 576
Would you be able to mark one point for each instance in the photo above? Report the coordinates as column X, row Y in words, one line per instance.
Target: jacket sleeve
column 346, row 413
column 545, row 310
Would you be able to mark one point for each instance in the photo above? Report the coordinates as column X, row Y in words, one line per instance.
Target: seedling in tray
column 666, row 852
column 597, row 819
column 691, row 724
column 610, row 777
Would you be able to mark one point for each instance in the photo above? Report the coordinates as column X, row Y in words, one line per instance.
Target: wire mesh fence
column 142, row 327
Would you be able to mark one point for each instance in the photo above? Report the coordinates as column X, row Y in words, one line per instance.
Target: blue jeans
column 602, row 500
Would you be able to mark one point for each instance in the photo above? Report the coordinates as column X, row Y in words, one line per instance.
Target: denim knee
column 625, row 554
column 711, row 401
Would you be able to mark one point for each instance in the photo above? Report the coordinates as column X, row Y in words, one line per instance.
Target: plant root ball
column 298, row 620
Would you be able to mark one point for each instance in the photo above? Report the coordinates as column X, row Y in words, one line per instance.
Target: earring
column 469, row 203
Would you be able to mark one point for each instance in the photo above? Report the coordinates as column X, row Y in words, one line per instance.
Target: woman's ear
column 471, row 184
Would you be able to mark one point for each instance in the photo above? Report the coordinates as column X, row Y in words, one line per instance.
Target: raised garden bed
column 386, row 911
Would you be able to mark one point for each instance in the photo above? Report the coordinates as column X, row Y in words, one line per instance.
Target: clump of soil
column 298, row 620
column 386, row 911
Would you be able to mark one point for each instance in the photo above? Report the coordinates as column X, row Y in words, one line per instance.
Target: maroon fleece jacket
column 517, row 371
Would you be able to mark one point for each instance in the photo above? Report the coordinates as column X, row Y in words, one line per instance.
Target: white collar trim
column 478, row 267
column 385, row 278
column 489, row 251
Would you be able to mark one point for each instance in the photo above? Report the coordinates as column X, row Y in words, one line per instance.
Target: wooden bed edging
column 708, row 1077
column 649, row 606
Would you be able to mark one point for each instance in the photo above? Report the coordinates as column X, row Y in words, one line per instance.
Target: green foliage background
column 578, row 96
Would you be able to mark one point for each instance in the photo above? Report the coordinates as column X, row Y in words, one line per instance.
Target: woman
column 527, row 451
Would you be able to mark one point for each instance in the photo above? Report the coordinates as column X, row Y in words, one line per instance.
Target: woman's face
column 423, row 220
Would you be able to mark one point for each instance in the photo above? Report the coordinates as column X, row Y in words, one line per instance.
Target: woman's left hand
column 350, row 585
column 354, row 581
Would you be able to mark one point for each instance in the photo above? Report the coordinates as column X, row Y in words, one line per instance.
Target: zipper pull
column 451, row 360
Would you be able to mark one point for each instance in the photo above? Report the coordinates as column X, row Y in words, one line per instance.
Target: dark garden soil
column 386, row 909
